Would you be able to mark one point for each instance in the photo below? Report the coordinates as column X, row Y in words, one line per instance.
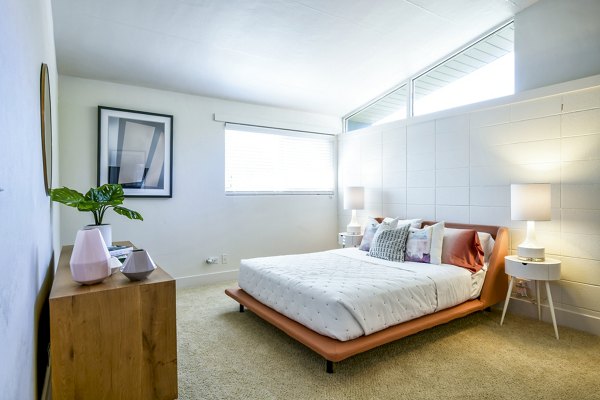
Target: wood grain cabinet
column 113, row 340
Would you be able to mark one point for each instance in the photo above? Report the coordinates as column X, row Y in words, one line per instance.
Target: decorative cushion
column 388, row 223
column 461, row 247
column 425, row 245
column 390, row 243
column 368, row 235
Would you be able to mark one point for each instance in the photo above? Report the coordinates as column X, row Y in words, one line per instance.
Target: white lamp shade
column 530, row 202
column 90, row 260
column 354, row 198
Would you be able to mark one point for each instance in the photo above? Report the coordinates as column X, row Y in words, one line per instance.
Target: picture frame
column 135, row 149
column 46, row 127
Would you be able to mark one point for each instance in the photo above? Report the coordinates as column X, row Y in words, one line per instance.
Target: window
column 391, row 107
column 274, row 161
column 483, row 71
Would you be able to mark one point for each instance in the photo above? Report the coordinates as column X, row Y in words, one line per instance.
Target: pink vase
column 90, row 260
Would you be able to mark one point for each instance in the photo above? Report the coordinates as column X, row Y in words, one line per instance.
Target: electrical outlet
column 212, row 260
column 224, row 258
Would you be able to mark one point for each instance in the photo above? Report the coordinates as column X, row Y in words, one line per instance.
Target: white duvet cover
column 345, row 294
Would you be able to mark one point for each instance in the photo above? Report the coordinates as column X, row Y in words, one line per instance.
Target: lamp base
column 353, row 227
column 527, row 253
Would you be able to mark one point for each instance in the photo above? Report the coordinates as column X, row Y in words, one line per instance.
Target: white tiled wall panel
column 580, row 295
column 581, row 123
column 576, row 148
column 452, row 214
column 458, row 123
column 536, row 108
column 452, row 157
column 420, row 196
column 420, row 211
column 581, row 221
column 581, row 246
column 490, row 196
column 581, row 196
column 460, row 168
column 580, row 270
column 580, row 172
column 581, row 100
column 394, row 210
column 534, row 173
column 490, row 215
column 420, row 178
column 492, row 116
column 452, row 196
column 452, row 177
column 489, row 176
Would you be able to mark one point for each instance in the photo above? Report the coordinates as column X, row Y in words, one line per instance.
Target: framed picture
column 135, row 150
column 46, row 124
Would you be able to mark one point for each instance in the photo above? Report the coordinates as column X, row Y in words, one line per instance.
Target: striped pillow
column 390, row 244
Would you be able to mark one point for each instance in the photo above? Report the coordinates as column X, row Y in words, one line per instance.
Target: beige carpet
column 224, row 354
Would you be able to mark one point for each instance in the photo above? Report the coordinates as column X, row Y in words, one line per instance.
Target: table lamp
column 530, row 202
column 354, row 199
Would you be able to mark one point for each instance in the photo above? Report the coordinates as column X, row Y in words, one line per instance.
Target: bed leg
column 241, row 308
column 488, row 309
column 329, row 367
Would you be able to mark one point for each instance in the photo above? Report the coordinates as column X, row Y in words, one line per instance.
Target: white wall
column 556, row 41
column 199, row 221
column 26, row 233
column 458, row 165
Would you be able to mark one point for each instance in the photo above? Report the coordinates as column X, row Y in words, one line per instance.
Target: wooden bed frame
column 333, row 350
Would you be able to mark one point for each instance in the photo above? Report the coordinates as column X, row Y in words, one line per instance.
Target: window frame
column 411, row 79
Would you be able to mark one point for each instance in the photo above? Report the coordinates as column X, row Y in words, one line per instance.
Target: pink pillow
column 461, row 247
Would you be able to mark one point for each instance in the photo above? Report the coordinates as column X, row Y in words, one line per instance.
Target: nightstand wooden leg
column 510, row 286
column 538, row 299
column 551, row 308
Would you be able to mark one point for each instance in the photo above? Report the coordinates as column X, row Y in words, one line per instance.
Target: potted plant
column 97, row 201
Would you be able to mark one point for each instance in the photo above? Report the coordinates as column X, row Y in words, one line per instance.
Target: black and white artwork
column 135, row 150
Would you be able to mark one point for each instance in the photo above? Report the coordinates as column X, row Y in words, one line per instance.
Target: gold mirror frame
column 46, row 122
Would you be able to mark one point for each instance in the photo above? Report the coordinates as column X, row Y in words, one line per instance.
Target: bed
column 340, row 330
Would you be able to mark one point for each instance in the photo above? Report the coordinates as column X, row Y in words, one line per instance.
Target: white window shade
column 264, row 160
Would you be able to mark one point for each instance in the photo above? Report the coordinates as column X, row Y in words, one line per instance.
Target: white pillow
column 425, row 245
column 487, row 244
column 437, row 239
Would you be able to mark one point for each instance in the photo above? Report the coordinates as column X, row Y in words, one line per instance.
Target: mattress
column 345, row 294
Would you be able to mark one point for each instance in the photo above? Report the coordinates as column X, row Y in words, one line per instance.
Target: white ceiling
column 326, row 56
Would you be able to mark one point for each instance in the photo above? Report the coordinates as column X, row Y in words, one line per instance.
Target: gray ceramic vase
column 138, row 265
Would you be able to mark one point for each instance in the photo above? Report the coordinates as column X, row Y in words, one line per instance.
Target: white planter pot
column 105, row 231
column 90, row 258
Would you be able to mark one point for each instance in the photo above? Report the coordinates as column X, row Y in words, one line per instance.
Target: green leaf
column 107, row 194
column 66, row 196
column 88, row 205
column 128, row 213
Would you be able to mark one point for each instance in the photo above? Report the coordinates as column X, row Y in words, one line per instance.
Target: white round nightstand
column 349, row 239
column 547, row 270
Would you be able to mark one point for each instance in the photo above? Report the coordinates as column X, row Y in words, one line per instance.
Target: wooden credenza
column 113, row 340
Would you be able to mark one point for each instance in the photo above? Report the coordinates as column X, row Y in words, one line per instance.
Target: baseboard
column 206, row 279
column 571, row 319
